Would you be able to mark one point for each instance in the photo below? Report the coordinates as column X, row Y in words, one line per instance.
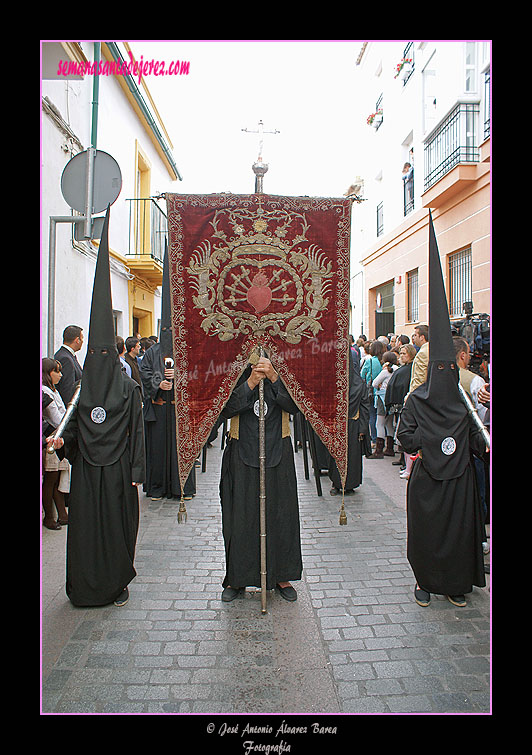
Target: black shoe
column 288, row 592
column 122, row 598
column 230, row 593
column 457, row 600
column 422, row 597
column 334, row 491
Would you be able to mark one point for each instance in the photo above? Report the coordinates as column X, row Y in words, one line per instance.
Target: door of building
column 384, row 310
column 384, row 323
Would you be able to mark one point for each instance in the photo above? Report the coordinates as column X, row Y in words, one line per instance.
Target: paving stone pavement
column 355, row 641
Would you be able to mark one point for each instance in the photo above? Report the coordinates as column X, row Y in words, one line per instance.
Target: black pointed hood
column 101, row 327
column 103, row 406
column 441, row 341
column 441, row 415
column 165, row 338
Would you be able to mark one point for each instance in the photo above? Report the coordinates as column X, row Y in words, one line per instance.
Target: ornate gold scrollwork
column 257, row 281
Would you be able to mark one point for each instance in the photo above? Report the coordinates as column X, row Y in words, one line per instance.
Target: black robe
column 239, row 491
column 397, row 388
column 103, row 513
column 323, row 457
column 444, row 520
column 358, row 424
column 162, row 471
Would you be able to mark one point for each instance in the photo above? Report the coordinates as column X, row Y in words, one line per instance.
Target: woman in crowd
column 396, row 391
column 384, row 423
column 56, row 473
column 370, row 369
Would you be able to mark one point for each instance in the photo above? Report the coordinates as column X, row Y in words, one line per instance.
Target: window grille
column 459, row 281
column 413, row 295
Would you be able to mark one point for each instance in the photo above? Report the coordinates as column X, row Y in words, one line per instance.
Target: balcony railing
column 380, row 219
column 487, row 104
column 378, row 106
column 408, row 192
column 408, row 53
column 454, row 141
column 148, row 227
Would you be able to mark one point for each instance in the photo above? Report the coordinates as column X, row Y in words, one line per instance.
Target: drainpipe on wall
column 85, row 219
column 95, row 93
column 128, row 79
column 91, row 152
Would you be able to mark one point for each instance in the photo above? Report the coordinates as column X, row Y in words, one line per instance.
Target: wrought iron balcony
column 487, row 104
column 408, row 192
column 454, row 141
column 148, row 227
column 408, row 54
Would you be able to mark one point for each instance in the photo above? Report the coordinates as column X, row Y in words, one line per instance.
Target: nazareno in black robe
column 239, row 490
column 444, row 518
column 105, row 446
column 103, row 512
column 444, row 521
column 358, row 424
column 162, row 471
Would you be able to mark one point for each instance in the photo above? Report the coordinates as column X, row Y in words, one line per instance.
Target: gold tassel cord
column 343, row 515
column 182, row 513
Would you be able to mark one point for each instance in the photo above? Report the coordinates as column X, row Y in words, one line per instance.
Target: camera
column 475, row 329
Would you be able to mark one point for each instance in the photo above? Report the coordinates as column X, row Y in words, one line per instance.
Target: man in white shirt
column 121, row 347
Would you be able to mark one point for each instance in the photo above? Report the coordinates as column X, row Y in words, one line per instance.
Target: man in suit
column 71, row 369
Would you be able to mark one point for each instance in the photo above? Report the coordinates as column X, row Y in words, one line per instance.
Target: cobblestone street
column 355, row 641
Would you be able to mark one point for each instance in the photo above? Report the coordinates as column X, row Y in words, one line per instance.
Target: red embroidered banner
column 259, row 269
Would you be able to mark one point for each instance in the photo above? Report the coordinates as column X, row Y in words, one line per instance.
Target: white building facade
column 120, row 116
column 426, row 105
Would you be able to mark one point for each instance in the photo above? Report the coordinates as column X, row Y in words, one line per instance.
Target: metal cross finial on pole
column 261, row 133
column 259, row 167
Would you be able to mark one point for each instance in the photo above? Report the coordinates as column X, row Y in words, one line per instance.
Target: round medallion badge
column 256, row 408
column 98, row 415
column 448, row 446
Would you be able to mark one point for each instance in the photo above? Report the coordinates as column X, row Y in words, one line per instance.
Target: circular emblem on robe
column 98, row 415
column 256, row 408
column 448, row 446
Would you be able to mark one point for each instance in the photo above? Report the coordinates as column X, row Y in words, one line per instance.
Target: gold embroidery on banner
column 257, row 281
column 192, row 279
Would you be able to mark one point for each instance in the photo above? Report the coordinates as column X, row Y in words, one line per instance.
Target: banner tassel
column 343, row 515
column 182, row 513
